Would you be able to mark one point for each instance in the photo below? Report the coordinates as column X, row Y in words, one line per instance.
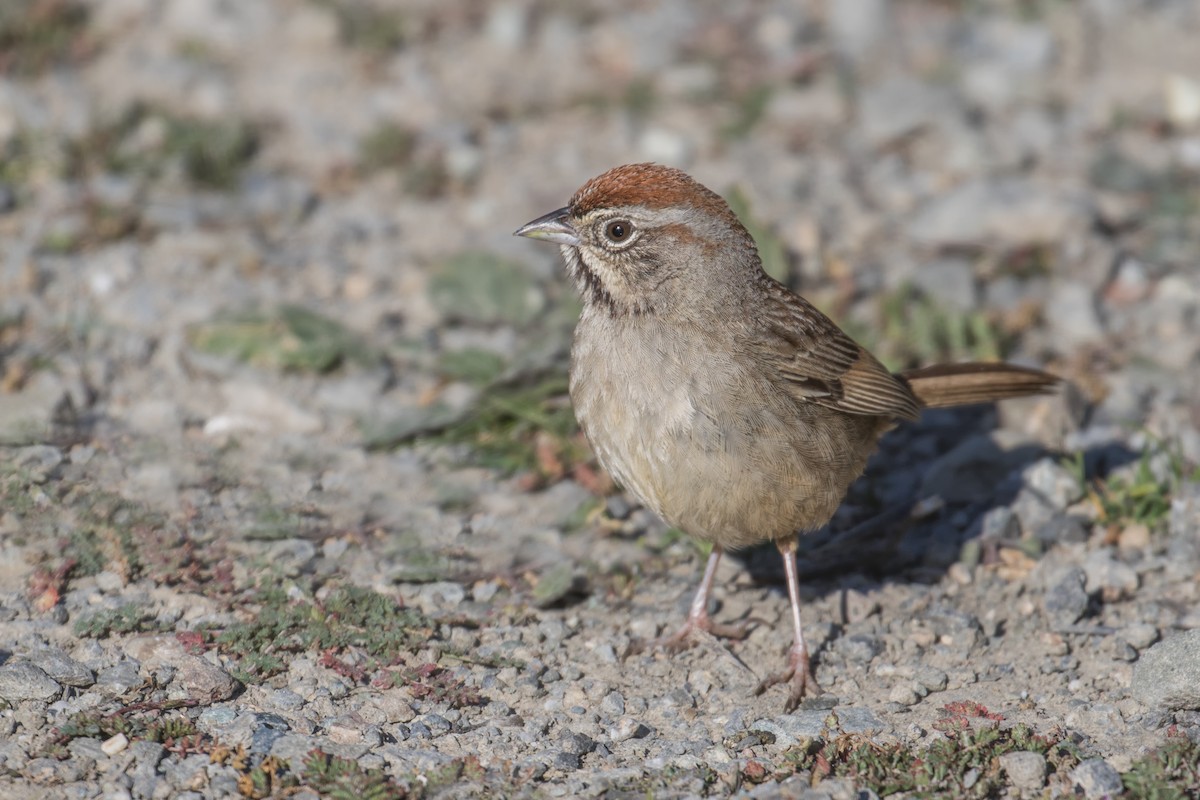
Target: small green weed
column 913, row 329
column 344, row 779
column 373, row 28
column 752, row 105
column 471, row 364
column 289, row 338
column 337, row 778
column 123, row 619
column 350, row 619
column 963, row 764
column 1141, row 496
column 36, row 35
column 147, row 142
column 140, row 722
column 513, row 427
column 1171, row 772
column 387, row 146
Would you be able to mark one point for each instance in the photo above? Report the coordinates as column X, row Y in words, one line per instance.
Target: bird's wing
column 819, row 363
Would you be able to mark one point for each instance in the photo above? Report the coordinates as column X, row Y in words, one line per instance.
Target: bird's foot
column 692, row 631
column 798, row 674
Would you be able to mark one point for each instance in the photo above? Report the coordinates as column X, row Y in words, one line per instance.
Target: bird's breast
column 684, row 424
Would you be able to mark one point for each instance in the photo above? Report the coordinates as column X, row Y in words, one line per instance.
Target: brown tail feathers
column 946, row 385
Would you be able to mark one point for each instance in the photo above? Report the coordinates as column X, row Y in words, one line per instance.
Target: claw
column 689, row 633
column 798, row 674
column 698, row 621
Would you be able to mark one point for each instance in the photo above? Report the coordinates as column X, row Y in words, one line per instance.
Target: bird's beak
column 555, row 227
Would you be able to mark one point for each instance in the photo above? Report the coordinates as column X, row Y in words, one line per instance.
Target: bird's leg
column 799, row 669
column 698, row 618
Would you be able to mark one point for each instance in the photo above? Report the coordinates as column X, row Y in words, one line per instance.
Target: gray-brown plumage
column 724, row 402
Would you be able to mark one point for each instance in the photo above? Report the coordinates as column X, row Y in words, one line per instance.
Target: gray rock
column 1139, row 636
column 24, row 681
column 1075, row 320
column 147, row 753
column 899, row 107
column 1013, row 212
column 629, row 728
column 1025, row 769
column 790, row 729
column 999, row 524
column 293, row 748
column 1066, row 602
column 61, row 667
column 932, row 679
column 1168, row 674
column 38, row 461
column 119, row 679
column 855, row 719
column 954, row 629
column 291, row 557
column 1033, row 509
column 859, row 648
column 436, row 723
column 577, row 743
column 949, row 281
column 1054, row 482
column 1061, row 528
column 286, row 699
column 856, row 26
column 1106, row 574
column 265, row 730
column 613, row 704
column 567, row 762
column 1097, row 779
column 32, row 414
column 204, row 680
column 1184, row 521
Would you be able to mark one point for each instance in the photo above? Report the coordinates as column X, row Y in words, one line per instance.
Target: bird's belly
column 716, row 452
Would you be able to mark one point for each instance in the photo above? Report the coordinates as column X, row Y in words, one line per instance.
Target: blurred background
column 948, row 180
column 261, row 309
column 253, row 253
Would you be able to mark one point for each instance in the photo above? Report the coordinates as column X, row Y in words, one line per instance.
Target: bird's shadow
column 883, row 535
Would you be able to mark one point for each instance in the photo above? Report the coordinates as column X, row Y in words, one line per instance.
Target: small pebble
column 116, row 744
column 1097, row 779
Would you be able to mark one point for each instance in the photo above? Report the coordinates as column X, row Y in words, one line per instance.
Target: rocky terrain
column 292, row 503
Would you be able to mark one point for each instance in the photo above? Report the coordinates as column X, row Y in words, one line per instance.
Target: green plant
column 962, row 764
column 349, row 620
column 1141, row 496
column 123, row 619
column 344, row 779
column 914, row 329
column 288, row 338
column 37, row 34
column 751, row 106
column 1172, row 772
column 145, row 141
column 387, row 146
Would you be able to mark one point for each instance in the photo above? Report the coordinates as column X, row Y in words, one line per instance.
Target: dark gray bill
column 554, row 227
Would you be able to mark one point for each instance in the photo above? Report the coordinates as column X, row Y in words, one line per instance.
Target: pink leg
column 799, row 669
column 698, row 618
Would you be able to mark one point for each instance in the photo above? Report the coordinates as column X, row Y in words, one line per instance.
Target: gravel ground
column 291, row 503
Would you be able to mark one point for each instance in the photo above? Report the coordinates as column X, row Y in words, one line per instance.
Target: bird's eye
column 618, row 231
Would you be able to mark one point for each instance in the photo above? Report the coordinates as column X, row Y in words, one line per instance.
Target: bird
column 721, row 400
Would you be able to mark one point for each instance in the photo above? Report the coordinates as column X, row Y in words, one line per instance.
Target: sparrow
column 721, row 400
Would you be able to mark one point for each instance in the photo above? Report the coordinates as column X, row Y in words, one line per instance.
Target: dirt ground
column 292, row 501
